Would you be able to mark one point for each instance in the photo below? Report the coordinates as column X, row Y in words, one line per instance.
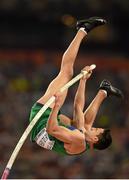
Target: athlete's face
column 93, row 134
column 97, row 131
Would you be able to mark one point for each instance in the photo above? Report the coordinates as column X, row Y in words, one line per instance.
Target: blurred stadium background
column 33, row 36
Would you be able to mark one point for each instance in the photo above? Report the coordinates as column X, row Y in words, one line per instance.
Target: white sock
column 104, row 91
column 83, row 29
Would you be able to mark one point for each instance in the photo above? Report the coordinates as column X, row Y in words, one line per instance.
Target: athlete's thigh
column 54, row 87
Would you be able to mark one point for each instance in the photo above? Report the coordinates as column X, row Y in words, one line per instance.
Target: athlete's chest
column 75, row 147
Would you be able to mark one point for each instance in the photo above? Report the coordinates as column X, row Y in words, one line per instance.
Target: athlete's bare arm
column 60, row 132
column 79, row 102
column 65, row 120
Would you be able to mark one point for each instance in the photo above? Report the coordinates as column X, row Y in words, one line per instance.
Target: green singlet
column 58, row 145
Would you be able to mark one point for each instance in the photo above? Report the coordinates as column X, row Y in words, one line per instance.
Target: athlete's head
column 99, row 138
column 104, row 140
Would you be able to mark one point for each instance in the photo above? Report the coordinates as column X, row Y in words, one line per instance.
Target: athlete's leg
column 91, row 112
column 105, row 89
column 69, row 57
column 66, row 70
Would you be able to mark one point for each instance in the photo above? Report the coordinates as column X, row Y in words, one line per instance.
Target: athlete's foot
column 91, row 23
column 111, row 90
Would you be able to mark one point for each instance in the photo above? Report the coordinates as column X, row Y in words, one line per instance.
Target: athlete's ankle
column 103, row 92
column 82, row 30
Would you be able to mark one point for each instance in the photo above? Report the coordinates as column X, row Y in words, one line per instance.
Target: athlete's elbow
column 51, row 130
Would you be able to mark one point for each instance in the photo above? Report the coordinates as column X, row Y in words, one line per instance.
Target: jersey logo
column 42, row 139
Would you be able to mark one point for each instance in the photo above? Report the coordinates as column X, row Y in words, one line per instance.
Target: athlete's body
column 58, row 130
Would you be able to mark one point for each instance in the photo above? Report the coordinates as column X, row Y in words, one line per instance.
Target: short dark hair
column 104, row 141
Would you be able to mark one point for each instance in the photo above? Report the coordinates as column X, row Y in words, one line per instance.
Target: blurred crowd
column 51, row 23
column 21, row 84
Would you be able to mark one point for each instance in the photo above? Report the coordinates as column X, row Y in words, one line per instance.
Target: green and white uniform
column 40, row 135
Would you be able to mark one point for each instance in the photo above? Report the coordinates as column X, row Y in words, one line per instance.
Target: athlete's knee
column 67, row 61
column 67, row 72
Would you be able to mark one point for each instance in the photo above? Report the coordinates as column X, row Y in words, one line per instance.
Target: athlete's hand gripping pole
column 35, row 119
